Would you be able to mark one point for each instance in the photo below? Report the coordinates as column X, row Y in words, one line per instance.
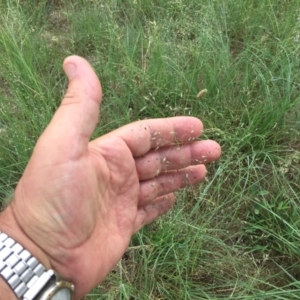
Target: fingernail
column 70, row 70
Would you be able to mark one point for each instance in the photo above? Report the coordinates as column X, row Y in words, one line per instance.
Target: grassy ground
column 235, row 236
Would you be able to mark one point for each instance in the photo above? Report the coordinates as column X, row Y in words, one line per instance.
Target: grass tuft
column 235, row 236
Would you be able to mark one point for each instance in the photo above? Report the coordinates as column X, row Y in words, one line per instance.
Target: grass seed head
column 201, row 93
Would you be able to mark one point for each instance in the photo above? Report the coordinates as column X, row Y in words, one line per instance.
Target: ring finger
column 169, row 182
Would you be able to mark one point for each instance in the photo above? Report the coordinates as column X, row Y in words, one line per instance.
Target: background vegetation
column 235, row 236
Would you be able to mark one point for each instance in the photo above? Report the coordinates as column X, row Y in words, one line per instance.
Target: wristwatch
column 27, row 277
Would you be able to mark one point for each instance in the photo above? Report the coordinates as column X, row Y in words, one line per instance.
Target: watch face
column 62, row 294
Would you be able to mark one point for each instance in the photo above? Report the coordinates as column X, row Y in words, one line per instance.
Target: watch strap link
column 23, row 273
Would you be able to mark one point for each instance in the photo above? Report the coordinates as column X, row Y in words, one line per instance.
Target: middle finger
column 176, row 157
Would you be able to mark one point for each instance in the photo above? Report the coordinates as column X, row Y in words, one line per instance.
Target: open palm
column 81, row 201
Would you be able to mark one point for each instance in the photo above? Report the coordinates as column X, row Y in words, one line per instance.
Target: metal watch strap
column 23, row 273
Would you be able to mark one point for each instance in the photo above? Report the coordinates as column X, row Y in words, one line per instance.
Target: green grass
column 235, row 236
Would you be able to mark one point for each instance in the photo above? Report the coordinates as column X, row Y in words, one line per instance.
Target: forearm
column 5, row 291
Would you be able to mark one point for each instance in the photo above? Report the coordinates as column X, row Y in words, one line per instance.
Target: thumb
column 76, row 118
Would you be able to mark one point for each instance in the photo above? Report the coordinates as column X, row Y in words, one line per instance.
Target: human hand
column 80, row 202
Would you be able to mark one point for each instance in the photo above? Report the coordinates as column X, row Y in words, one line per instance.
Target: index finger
column 141, row 136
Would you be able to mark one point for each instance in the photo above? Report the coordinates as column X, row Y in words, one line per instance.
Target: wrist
column 10, row 226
